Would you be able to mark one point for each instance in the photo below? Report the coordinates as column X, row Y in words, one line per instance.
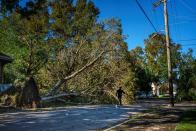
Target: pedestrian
column 119, row 94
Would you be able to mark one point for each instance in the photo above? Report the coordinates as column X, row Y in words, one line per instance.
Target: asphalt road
column 79, row 118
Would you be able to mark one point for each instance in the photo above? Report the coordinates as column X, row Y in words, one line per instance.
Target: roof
column 5, row 58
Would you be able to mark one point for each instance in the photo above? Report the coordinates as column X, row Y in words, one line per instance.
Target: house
column 162, row 89
column 4, row 59
column 155, row 89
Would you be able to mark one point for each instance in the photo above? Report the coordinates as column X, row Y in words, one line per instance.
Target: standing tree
column 187, row 77
column 155, row 49
column 59, row 41
column 139, row 66
column 29, row 25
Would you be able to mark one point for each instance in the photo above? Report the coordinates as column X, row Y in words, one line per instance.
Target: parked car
column 143, row 94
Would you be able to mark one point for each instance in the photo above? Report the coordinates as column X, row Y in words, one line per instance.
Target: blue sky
column 182, row 20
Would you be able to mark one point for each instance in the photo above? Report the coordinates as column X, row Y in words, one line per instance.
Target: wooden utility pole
column 170, row 83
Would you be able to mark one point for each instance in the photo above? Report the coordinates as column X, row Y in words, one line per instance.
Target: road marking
column 117, row 125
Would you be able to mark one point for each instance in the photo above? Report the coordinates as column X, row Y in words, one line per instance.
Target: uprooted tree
column 60, row 48
column 56, row 43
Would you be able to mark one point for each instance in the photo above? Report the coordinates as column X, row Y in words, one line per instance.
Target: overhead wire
column 176, row 24
column 187, row 6
column 145, row 14
column 183, row 16
column 177, row 29
column 153, row 26
column 154, row 12
column 193, row 39
column 179, row 23
column 174, row 16
column 188, row 45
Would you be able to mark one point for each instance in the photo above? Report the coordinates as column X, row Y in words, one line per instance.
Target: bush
column 192, row 93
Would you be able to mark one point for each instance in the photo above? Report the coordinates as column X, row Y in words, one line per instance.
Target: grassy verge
column 188, row 121
column 155, row 118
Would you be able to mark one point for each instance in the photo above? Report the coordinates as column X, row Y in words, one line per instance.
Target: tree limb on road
column 57, row 96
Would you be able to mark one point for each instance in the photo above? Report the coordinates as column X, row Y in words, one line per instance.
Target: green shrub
column 192, row 93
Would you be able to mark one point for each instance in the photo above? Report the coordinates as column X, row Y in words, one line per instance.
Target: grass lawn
column 188, row 121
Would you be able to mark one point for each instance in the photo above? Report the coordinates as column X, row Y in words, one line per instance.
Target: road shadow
column 159, row 117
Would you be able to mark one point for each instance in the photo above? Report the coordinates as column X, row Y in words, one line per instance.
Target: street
column 77, row 118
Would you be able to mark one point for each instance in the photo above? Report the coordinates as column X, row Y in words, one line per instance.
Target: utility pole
column 170, row 83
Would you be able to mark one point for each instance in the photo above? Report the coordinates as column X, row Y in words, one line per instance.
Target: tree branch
column 60, row 82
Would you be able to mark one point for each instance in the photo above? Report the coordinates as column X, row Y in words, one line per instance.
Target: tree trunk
column 30, row 94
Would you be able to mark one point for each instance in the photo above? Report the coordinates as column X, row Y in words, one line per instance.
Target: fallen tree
column 48, row 98
column 88, row 65
column 60, row 82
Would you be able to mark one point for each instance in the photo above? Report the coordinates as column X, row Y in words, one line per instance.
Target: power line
column 187, row 6
column 143, row 11
column 189, row 45
column 182, row 22
column 184, row 16
column 145, row 14
column 186, row 39
column 177, row 13
column 175, row 21
column 183, row 45
column 154, row 13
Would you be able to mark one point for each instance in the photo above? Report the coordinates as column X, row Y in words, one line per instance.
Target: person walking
column 119, row 94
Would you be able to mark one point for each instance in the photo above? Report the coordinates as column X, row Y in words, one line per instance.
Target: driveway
column 78, row 118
